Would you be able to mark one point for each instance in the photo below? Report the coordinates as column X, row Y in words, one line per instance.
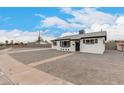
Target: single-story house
column 120, row 45
column 82, row 42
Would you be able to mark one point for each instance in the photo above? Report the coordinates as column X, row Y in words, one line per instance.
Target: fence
column 32, row 46
column 111, row 46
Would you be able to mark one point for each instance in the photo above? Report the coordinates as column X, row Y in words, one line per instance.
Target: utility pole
column 39, row 38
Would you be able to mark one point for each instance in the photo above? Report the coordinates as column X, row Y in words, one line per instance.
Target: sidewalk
column 4, row 80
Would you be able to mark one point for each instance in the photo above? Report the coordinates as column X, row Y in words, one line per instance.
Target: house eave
column 94, row 37
column 80, row 38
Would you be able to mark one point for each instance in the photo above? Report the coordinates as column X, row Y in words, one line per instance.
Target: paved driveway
column 84, row 68
column 35, row 56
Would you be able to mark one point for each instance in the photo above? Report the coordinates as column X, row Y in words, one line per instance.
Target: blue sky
column 55, row 21
column 25, row 19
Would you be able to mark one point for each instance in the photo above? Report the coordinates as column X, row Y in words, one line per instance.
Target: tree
column 6, row 42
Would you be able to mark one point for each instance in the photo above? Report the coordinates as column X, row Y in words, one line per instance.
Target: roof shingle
column 86, row 35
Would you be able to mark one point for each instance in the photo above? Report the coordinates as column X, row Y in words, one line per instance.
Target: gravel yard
column 84, row 68
column 35, row 56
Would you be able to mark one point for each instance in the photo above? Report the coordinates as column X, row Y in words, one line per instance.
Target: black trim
column 81, row 38
column 62, row 39
column 77, row 45
column 93, row 37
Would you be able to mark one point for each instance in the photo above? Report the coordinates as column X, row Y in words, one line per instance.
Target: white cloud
column 98, row 27
column 55, row 21
column 120, row 20
column 51, row 21
column 96, row 21
column 68, row 33
column 21, row 36
column 114, row 32
column 66, row 9
column 48, row 38
column 84, row 17
column 40, row 15
column 4, row 18
column 89, row 16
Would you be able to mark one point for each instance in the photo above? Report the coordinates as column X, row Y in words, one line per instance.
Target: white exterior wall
column 71, row 48
column 97, row 48
column 54, row 47
column 57, row 47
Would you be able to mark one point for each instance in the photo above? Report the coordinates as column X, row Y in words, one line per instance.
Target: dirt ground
column 84, row 68
column 56, row 67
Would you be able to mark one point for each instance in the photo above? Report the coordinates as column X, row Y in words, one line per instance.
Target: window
column 65, row 43
column 84, row 41
column 96, row 40
column 87, row 41
column 54, row 43
column 90, row 41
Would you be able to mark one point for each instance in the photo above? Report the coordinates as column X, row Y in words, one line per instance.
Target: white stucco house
column 82, row 42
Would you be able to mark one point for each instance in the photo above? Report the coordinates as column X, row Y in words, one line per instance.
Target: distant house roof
column 81, row 36
column 119, row 41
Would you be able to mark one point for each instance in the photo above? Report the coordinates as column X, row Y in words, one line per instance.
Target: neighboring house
column 120, row 45
column 83, row 42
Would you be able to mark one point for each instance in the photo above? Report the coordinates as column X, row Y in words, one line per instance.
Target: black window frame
column 87, row 41
column 64, row 43
column 96, row 40
column 90, row 41
column 84, row 41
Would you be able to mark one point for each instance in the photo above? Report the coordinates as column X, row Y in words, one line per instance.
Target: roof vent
column 82, row 31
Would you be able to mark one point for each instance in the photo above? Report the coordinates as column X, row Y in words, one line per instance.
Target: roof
column 86, row 35
column 119, row 41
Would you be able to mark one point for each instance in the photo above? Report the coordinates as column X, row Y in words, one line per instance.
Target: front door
column 77, row 45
